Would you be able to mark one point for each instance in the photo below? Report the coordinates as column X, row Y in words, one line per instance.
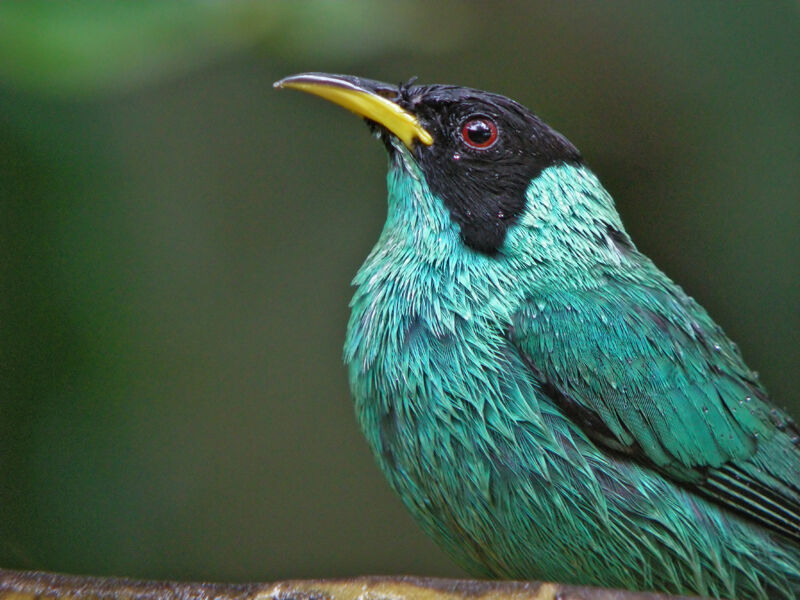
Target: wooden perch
column 37, row 585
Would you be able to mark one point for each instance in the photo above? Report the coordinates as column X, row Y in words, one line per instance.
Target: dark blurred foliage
column 178, row 238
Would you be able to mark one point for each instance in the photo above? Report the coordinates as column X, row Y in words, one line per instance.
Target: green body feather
column 562, row 410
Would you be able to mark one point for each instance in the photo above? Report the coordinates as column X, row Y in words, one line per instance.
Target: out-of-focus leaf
column 68, row 48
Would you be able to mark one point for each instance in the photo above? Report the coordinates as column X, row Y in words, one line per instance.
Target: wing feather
column 644, row 370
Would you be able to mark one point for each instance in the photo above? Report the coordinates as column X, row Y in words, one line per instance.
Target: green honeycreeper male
column 547, row 403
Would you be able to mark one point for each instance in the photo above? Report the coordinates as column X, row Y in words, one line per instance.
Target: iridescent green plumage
column 546, row 402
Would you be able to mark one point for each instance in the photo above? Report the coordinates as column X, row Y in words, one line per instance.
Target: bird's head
column 479, row 153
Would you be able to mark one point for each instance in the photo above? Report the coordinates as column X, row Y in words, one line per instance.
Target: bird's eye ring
column 479, row 132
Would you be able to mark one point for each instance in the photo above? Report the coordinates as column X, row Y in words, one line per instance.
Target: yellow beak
column 363, row 98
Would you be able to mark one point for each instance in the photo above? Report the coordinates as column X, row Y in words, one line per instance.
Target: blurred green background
column 178, row 240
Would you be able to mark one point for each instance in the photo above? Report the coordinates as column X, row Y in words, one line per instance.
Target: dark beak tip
column 342, row 81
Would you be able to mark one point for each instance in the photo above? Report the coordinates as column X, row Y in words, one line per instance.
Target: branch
column 38, row 585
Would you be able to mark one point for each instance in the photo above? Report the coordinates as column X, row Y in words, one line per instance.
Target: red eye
column 479, row 133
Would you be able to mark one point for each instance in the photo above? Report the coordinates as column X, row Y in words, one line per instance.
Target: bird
column 547, row 403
